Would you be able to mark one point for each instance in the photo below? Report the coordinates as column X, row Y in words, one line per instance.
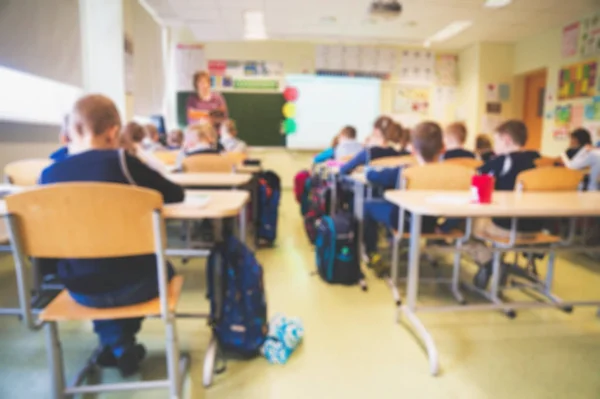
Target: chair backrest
column 236, row 158
column 168, row 158
column 393, row 161
column 437, row 176
column 543, row 162
column 208, row 163
column 26, row 172
column 85, row 220
column 346, row 158
column 470, row 163
column 553, row 178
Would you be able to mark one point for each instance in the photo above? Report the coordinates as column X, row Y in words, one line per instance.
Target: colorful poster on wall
column 492, row 92
column 562, row 115
column 504, row 91
column 231, row 74
column 570, row 40
column 577, row 80
column 359, row 61
column 592, row 111
column 590, row 36
column 577, row 111
column 412, row 100
column 446, row 70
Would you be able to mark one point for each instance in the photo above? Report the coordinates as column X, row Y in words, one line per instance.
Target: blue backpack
column 239, row 317
column 269, row 193
column 337, row 250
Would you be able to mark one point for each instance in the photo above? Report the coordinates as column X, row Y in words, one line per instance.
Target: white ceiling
column 310, row 20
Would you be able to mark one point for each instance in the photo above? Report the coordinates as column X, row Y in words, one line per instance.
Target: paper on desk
column 196, row 200
column 449, row 199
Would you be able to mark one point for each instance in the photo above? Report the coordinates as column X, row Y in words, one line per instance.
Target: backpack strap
column 124, row 168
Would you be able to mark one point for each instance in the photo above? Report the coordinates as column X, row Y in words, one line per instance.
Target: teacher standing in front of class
column 200, row 104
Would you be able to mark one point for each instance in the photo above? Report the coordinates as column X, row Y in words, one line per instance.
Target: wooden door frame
column 525, row 77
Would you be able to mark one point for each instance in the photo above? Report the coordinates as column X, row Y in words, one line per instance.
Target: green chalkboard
column 257, row 115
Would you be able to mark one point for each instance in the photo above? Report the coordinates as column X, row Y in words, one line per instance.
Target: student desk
column 225, row 180
column 456, row 205
column 220, row 204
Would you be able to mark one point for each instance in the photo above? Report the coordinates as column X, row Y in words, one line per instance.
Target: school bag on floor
column 239, row 316
column 302, row 189
column 337, row 250
column 269, row 193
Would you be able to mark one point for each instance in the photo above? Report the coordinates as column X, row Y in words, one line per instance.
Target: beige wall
column 468, row 93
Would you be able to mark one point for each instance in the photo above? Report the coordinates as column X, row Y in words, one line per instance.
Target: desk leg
column 242, row 225
column 255, row 216
column 358, row 213
column 393, row 283
column 412, row 292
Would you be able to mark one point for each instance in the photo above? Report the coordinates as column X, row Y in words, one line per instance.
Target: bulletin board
column 577, row 80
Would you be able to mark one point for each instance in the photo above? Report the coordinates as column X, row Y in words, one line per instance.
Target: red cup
column 482, row 187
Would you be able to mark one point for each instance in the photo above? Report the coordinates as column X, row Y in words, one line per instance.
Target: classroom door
column 533, row 112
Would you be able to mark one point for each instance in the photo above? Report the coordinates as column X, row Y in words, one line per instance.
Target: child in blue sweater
column 455, row 136
column 63, row 138
column 93, row 156
column 427, row 147
column 380, row 141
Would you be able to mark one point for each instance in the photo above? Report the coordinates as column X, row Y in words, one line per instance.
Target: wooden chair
column 168, row 158
column 470, row 163
column 25, row 172
column 236, row 158
column 346, row 158
column 214, row 163
column 551, row 178
column 96, row 220
column 433, row 176
column 543, row 162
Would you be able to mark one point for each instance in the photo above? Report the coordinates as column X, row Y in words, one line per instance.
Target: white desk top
column 504, row 203
column 210, row 179
column 221, row 203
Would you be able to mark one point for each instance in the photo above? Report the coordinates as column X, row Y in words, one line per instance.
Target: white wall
column 42, row 38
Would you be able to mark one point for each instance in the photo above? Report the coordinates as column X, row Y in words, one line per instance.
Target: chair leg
column 173, row 358
column 456, row 274
column 55, row 361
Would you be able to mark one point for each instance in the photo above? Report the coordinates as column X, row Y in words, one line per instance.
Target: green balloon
column 289, row 126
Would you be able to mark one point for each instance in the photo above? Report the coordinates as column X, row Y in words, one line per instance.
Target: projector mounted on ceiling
column 386, row 9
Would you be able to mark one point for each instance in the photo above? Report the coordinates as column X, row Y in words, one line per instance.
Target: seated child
column 581, row 155
column 455, row 136
column 199, row 139
column 402, row 143
column 152, row 139
column 132, row 137
column 328, row 153
column 229, row 138
column 347, row 144
column 483, row 148
column 509, row 140
column 63, row 138
column 379, row 145
column 175, row 139
column 427, row 147
column 217, row 118
column 94, row 136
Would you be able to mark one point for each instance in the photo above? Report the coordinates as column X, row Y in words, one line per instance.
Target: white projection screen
column 325, row 104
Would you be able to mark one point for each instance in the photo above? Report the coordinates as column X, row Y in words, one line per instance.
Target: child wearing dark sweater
column 427, row 147
column 455, row 136
column 511, row 159
column 108, row 282
column 379, row 145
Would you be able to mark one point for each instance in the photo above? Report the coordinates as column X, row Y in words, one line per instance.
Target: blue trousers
column 376, row 212
column 120, row 334
column 379, row 211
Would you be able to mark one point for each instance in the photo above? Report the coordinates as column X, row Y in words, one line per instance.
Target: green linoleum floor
column 353, row 347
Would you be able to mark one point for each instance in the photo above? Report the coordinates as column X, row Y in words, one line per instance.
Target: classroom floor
column 352, row 348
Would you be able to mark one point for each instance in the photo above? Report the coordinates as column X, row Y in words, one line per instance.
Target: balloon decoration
column 289, row 110
column 290, row 94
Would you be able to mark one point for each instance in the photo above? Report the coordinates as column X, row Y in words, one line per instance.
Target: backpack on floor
column 318, row 206
column 300, row 186
column 239, row 316
column 269, row 193
column 337, row 250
